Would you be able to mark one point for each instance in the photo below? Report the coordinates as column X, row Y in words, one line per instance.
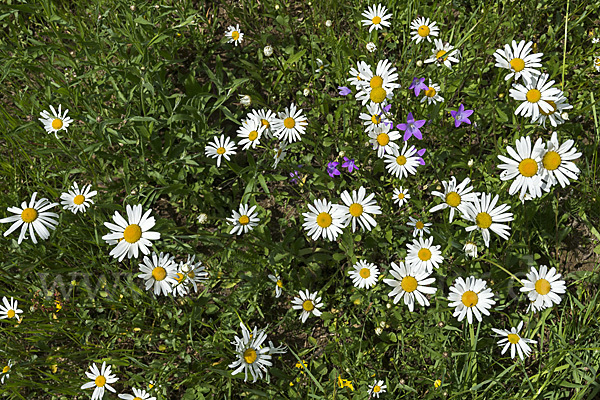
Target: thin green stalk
column 502, row 268
column 565, row 46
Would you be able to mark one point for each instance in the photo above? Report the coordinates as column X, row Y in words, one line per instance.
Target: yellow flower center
column 137, row 398
column 376, row 389
column 376, row 82
column 57, row 124
column 553, row 104
column 400, row 196
column 252, row 136
column 10, row 313
column 376, row 20
column 132, row 233
column 424, row 254
column 469, row 298
column 517, row 64
column 29, row 215
column 430, row 92
column 179, row 277
column 453, row 199
column 376, row 119
column 378, row 95
column 419, row 225
column 235, row 35
column 100, row 381
column 401, row 160
column 264, row 122
column 5, row 369
column 324, row 220
column 221, row 150
column 533, row 95
column 289, row 122
column 365, row 273
column 159, row 273
column 250, row 355
column 356, row 210
column 409, row 284
column 440, row 54
column 308, row 305
column 79, row 199
column 483, row 220
column 528, row 167
column 192, row 275
column 279, row 283
column 551, row 160
column 244, row 220
column 513, row 338
column 424, row 31
column 383, row 139
column 542, row 286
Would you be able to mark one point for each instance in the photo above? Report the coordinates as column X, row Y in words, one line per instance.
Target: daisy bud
column 565, row 116
column 378, row 331
column 306, row 92
column 470, row 163
column 202, row 218
column 268, row 51
column 246, row 100
column 419, row 63
column 328, row 23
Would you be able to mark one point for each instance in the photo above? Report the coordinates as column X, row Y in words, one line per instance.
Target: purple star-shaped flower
column 348, row 163
column 294, row 175
column 461, row 116
column 420, row 153
column 418, row 85
column 332, row 169
column 411, row 127
column 344, row 91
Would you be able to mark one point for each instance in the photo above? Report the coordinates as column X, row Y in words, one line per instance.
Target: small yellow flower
column 345, row 383
column 437, row 383
column 301, row 366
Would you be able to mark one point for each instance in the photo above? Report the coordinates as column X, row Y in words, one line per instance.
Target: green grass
column 148, row 87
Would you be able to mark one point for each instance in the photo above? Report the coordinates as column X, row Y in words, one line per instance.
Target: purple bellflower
column 461, row 116
column 418, row 85
column 411, row 127
column 344, row 91
column 332, row 169
column 420, row 153
column 348, row 163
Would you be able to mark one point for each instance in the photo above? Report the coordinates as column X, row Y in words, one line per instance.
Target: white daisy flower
column 513, row 340
column 358, row 208
column 558, row 163
column 543, row 287
column 278, row 284
column 487, row 216
column 371, row 47
column 456, row 197
column 470, row 249
column 355, row 74
column 402, row 163
column 377, row 388
column 280, row 153
column 266, row 118
column 252, row 355
column 10, row 309
column 243, row 221
column 56, row 121
column 376, row 17
column 411, row 282
column 6, row 371
column 379, row 86
column 432, row 94
column 245, row 100
column 443, row 54
column 423, row 254
column 320, row 66
column 324, row 219
column 137, row 395
column 556, row 115
column 160, row 272
column 290, row 124
column 233, row 34
column 194, row 271
column 250, row 132
column 470, row 297
column 100, row 380
column 518, row 60
column 220, row 147
column 420, row 226
column 597, row 63
column 524, row 167
column 383, row 140
column 535, row 95
column 133, row 235
column 422, row 29
column 182, row 285
column 77, row 199
column 309, row 303
column 34, row 218
column 375, row 118
column 401, row 196
column 364, row 275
